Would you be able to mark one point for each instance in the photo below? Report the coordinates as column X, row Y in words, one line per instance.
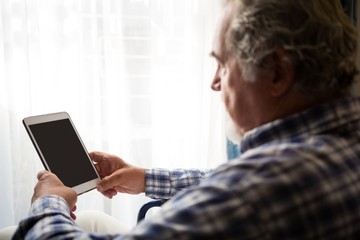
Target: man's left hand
column 50, row 184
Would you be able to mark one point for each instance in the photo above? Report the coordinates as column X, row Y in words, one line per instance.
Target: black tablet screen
column 63, row 152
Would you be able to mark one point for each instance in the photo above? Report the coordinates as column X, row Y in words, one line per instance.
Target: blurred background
column 134, row 75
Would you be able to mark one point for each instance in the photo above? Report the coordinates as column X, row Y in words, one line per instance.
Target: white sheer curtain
column 133, row 74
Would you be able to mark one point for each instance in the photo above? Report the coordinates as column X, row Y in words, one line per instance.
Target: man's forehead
column 219, row 50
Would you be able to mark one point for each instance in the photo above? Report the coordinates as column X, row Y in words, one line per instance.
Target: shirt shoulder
column 297, row 188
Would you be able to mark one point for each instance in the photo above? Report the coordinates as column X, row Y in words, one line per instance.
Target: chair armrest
column 144, row 208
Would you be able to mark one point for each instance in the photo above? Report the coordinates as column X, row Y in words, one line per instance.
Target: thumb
column 108, row 182
column 96, row 156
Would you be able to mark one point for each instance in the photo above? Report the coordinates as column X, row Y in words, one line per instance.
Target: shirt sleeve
column 204, row 212
column 163, row 183
column 211, row 210
column 49, row 218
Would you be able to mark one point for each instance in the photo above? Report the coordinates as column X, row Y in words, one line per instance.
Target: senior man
column 285, row 69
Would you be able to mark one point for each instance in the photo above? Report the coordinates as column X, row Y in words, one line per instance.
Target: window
column 133, row 74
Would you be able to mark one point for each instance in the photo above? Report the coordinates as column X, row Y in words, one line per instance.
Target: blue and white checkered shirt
column 296, row 178
column 163, row 183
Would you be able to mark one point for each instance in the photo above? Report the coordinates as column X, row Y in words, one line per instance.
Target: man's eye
column 222, row 69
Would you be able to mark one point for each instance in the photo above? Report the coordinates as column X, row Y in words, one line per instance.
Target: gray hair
column 317, row 35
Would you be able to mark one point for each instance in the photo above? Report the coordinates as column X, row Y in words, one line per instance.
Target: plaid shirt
column 296, row 178
column 163, row 183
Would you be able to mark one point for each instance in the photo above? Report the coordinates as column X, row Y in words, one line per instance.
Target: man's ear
column 284, row 77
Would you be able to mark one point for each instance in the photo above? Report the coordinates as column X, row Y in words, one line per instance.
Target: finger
column 46, row 174
column 91, row 154
column 97, row 156
column 110, row 193
column 108, row 182
column 42, row 174
column 73, row 216
column 100, row 168
column 73, row 209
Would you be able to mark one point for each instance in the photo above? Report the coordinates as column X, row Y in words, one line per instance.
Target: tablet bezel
column 81, row 188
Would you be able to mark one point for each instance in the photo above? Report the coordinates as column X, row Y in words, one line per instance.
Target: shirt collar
column 343, row 113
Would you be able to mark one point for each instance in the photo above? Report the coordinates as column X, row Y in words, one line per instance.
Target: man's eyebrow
column 216, row 56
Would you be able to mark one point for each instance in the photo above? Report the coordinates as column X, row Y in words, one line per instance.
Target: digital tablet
column 61, row 150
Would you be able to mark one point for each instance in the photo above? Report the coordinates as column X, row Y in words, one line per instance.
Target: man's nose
column 216, row 83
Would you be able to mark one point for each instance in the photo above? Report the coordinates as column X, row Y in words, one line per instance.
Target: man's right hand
column 117, row 175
